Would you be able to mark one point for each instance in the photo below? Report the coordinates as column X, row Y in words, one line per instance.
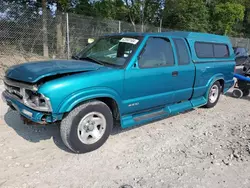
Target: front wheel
column 87, row 127
column 214, row 95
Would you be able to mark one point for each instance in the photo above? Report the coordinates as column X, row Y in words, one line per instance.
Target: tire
column 237, row 93
column 85, row 120
column 212, row 100
column 245, row 92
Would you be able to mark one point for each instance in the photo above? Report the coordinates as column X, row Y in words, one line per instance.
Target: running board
column 201, row 101
column 149, row 116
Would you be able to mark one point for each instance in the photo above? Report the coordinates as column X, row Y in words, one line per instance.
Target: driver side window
column 158, row 52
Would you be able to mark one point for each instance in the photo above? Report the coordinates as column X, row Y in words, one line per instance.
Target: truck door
column 185, row 71
column 150, row 81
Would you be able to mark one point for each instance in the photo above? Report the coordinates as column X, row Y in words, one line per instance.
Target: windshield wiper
column 94, row 60
column 91, row 59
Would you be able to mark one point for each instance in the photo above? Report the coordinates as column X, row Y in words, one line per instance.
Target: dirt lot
column 201, row 148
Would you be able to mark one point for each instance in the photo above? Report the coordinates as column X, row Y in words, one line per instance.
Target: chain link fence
column 27, row 35
column 45, row 34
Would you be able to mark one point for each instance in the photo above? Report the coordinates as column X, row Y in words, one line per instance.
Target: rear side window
column 221, row 50
column 211, row 50
column 182, row 52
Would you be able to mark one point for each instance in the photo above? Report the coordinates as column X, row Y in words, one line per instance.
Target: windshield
column 114, row 50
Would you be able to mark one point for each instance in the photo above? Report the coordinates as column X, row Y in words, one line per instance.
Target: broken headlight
column 36, row 101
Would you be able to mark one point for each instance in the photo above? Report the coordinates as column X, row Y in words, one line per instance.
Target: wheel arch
column 222, row 84
column 108, row 96
column 215, row 78
column 112, row 104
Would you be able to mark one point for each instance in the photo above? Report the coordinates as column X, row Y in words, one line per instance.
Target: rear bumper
column 30, row 114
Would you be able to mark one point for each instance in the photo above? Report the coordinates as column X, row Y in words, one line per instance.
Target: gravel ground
column 201, row 148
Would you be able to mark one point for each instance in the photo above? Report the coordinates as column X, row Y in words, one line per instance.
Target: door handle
column 175, row 73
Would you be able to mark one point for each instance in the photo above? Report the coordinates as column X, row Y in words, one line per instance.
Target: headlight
column 36, row 101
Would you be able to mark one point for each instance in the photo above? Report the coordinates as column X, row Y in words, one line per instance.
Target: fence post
column 45, row 30
column 119, row 26
column 142, row 27
column 67, row 34
column 160, row 24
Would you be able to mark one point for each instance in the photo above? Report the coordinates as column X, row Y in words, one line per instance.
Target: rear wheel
column 214, row 95
column 87, row 127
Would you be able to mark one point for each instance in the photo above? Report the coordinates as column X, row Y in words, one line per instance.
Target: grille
column 13, row 90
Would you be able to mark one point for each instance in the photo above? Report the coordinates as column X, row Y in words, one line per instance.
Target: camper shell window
column 211, row 50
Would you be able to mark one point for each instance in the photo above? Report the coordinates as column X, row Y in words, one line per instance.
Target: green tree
column 144, row 11
column 111, row 9
column 246, row 21
column 83, row 7
column 226, row 16
column 189, row 15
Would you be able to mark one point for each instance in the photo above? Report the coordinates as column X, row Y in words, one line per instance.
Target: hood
column 34, row 71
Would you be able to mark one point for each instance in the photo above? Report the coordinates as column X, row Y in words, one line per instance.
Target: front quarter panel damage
column 80, row 87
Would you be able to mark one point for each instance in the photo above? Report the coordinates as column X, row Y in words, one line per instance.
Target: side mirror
column 237, row 53
column 135, row 64
column 90, row 40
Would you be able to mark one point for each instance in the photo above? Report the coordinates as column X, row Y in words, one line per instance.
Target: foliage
column 109, row 9
column 226, row 16
column 230, row 17
column 186, row 15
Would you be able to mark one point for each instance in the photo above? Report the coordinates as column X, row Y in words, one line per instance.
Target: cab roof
column 206, row 37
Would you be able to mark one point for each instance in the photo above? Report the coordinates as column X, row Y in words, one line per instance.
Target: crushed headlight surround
column 28, row 95
column 36, row 101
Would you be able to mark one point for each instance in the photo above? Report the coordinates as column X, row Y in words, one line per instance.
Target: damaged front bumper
column 29, row 115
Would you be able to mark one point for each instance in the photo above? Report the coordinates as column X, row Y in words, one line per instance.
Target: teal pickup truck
column 129, row 78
